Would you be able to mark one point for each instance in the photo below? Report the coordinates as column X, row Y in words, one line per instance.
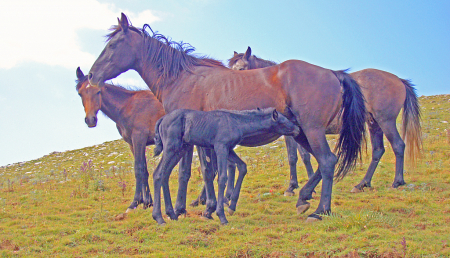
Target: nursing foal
column 220, row 130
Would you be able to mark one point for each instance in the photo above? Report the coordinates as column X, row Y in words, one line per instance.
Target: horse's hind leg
column 307, row 190
column 230, row 182
column 376, row 138
column 242, row 167
column 398, row 146
column 183, row 178
column 327, row 161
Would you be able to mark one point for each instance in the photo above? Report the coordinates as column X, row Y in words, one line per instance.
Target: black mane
column 170, row 57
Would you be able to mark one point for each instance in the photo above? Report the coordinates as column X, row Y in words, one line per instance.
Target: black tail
column 353, row 117
column 158, row 142
column 411, row 129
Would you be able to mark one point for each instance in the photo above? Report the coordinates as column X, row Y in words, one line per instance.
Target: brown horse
column 308, row 95
column 135, row 114
column 386, row 95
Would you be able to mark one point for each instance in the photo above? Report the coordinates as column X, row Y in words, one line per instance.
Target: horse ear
column 80, row 74
column 275, row 115
column 248, row 53
column 123, row 22
column 235, row 53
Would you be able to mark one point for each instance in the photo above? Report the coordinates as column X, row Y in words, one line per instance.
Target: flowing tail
column 353, row 117
column 411, row 128
column 158, row 142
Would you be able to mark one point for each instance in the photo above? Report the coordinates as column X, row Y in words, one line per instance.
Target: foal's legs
column 242, row 167
column 376, row 138
column 230, row 182
column 183, row 179
column 206, row 160
column 142, row 193
column 171, row 155
column 222, row 153
column 201, row 199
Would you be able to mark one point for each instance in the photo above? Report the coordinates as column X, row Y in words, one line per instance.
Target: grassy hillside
column 70, row 204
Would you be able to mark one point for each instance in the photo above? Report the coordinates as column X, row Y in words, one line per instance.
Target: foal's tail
column 158, row 142
column 411, row 129
column 353, row 117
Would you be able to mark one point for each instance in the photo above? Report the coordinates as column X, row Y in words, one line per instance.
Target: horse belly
column 259, row 140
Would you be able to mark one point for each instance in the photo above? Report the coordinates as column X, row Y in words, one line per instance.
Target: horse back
column 384, row 92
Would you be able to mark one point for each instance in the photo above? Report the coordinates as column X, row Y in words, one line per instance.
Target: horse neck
column 256, row 62
column 149, row 74
column 114, row 99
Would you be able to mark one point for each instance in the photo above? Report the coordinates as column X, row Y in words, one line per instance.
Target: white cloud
column 45, row 31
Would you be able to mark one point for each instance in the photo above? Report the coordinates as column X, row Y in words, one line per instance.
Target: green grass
column 53, row 207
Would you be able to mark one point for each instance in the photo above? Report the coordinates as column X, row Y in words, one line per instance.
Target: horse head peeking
column 247, row 61
column 241, row 61
column 90, row 95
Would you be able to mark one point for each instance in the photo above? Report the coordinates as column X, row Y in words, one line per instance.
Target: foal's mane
column 170, row 57
column 254, row 61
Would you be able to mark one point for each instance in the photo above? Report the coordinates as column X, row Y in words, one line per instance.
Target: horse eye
column 98, row 93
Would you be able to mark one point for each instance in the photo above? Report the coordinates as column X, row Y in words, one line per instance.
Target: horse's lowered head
column 119, row 54
column 91, row 98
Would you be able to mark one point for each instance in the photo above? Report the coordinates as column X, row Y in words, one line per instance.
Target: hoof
column 161, row 222
column 312, row 220
column 194, row 203
column 206, row 216
column 224, row 223
column 230, row 211
column 289, row 193
column 356, row 190
column 303, row 208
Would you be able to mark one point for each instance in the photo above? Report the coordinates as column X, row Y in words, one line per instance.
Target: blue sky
column 43, row 42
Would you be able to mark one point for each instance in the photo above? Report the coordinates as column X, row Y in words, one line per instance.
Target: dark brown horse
column 386, row 95
column 308, row 95
column 135, row 114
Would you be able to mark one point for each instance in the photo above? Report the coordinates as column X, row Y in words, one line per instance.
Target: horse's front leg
column 291, row 146
column 206, row 164
column 142, row 192
column 183, row 178
column 169, row 160
column 222, row 162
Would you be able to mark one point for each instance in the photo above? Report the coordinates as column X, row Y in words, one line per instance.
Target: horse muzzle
column 91, row 121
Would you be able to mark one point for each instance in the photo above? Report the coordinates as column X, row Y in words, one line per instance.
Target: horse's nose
column 91, row 122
